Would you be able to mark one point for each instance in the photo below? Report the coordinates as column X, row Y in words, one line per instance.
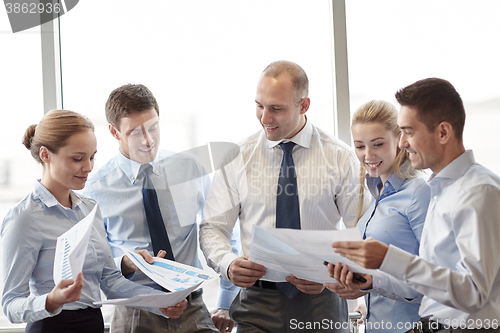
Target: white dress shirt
column 245, row 188
column 458, row 270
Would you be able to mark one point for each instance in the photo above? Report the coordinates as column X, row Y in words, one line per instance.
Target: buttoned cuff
column 379, row 285
column 41, row 313
column 224, row 264
column 395, row 262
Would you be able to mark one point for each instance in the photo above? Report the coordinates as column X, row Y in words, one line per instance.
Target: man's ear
column 44, row 154
column 445, row 132
column 114, row 132
column 305, row 102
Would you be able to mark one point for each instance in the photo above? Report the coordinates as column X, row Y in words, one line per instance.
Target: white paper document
column 153, row 300
column 71, row 248
column 169, row 274
column 301, row 253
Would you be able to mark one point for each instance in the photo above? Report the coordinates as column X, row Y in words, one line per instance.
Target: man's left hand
column 175, row 311
column 221, row 320
column 307, row 287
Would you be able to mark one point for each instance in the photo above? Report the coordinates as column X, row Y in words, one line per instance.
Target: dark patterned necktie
column 287, row 205
column 159, row 237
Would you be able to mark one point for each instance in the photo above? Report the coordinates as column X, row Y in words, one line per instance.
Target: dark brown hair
column 435, row 101
column 127, row 99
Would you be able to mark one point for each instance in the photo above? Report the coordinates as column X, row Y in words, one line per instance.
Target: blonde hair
column 381, row 112
column 53, row 131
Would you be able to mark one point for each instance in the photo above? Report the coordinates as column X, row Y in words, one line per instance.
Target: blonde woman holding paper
column 396, row 216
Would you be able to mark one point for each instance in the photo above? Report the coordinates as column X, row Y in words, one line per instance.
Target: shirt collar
column 48, row 198
column 373, row 183
column 303, row 138
column 457, row 167
column 131, row 168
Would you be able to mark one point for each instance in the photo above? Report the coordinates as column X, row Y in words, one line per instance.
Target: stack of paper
column 301, row 253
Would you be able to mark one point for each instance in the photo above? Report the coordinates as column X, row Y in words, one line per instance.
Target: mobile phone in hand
column 355, row 276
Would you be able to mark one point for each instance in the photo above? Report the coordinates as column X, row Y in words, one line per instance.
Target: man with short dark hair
column 289, row 170
column 457, row 270
column 127, row 187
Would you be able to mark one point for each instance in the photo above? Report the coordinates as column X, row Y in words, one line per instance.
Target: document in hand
column 71, row 248
column 301, row 253
column 153, row 300
column 169, row 274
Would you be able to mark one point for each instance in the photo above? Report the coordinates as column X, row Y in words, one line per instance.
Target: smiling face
column 138, row 135
column 376, row 148
column 68, row 169
column 422, row 145
column 278, row 112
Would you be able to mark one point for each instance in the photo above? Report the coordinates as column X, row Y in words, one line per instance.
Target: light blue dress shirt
column 117, row 187
column 458, row 270
column 227, row 290
column 396, row 217
column 29, row 235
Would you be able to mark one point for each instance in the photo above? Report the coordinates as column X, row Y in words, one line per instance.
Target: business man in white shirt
column 458, row 268
column 248, row 189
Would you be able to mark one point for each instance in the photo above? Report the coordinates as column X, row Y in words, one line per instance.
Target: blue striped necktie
column 287, row 205
column 159, row 237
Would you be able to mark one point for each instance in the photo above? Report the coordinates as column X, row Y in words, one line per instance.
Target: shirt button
column 379, row 281
column 386, row 184
column 435, row 198
column 132, row 178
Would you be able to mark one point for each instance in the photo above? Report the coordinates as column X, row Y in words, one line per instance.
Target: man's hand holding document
column 179, row 278
column 169, row 274
column 301, row 253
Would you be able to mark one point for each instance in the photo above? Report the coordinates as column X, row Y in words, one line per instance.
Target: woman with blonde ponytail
column 65, row 144
column 395, row 217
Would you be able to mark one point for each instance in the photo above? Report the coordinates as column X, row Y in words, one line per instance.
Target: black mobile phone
column 356, row 276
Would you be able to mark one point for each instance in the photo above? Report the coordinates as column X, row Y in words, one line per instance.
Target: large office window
column 201, row 59
column 393, row 43
column 21, row 105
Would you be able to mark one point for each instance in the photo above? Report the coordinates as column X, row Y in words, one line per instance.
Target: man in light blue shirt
column 457, row 269
column 181, row 184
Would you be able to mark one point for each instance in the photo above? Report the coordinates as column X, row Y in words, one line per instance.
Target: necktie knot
column 287, row 147
column 147, row 169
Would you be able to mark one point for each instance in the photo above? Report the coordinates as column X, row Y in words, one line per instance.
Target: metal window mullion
column 51, row 70
column 342, row 114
